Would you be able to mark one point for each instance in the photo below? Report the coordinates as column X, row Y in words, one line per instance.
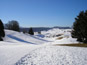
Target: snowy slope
column 13, row 36
column 55, row 35
column 50, row 55
column 10, row 54
column 16, row 45
column 24, row 49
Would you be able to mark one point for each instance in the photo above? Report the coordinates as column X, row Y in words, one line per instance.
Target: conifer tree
column 31, row 31
column 2, row 33
column 80, row 27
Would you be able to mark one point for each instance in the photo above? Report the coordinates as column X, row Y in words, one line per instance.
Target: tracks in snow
column 52, row 55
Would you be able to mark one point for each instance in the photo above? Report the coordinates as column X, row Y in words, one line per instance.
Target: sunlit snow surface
column 51, row 55
column 24, row 49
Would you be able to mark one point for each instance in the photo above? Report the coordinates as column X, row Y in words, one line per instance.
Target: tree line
column 11, row 25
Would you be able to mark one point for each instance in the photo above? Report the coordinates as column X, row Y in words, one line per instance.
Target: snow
column 56, row 33
column 24, row 49
column 9, row 54
column 20, row 37
column 51, row 55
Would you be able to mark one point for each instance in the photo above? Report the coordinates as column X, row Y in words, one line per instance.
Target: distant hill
column 62, row 27
column 37, row 29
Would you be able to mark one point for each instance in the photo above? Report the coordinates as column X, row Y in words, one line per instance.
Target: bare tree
column 13, row 25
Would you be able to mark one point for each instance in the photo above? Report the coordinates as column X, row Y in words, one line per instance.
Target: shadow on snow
column 18, row 39
column 41, row 39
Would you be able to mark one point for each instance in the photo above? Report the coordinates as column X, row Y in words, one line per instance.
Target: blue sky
column 41, row 13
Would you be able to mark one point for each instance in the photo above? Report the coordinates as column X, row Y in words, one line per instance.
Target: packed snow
column 24, row 49
column 50, row 55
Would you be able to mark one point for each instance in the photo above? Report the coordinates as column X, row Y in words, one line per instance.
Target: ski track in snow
column 51, row 55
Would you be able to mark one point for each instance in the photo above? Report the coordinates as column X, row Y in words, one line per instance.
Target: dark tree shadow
column 18, row 39
column 41, row 39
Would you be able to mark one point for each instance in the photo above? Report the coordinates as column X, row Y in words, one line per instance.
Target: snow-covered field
column 24, row 49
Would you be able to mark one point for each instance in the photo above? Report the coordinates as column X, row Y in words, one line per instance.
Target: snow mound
column 59, row 36
column 55, row 32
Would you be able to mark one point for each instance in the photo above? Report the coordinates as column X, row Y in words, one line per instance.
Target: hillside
column 24, row 49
